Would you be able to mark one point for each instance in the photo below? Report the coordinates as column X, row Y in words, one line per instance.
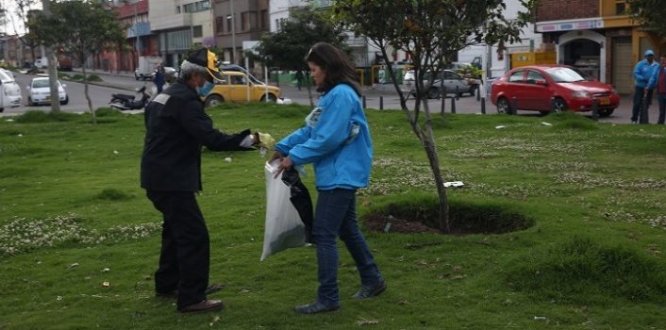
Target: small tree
column 287, row 47
column 80, row 27
column 431, row 31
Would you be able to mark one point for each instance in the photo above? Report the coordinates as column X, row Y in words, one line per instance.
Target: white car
column 10, row 91
column 39, row 92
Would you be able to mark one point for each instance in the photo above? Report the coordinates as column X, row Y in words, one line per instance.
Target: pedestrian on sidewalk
column 337, row 140
column 658, row 81
column 159, row 80
column 299, row 79
column 643, row 71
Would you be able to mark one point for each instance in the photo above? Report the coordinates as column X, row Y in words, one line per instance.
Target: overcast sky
column 12, row 22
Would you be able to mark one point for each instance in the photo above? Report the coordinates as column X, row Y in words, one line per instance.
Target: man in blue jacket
column 643, row 71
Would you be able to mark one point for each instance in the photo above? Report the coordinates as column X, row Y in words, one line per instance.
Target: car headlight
column 581, row 94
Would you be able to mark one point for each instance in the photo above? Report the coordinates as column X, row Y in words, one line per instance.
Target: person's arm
column 654, row 77
column 199, row 125
column 637, row 71
column 332, row 128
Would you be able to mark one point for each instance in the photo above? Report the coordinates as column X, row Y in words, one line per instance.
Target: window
column 219, row 25
column 177, row 9
column 620, row 7
column 229, row 20
column 263, row 24
column 245, row 21
column 533, row 77
column 197, row 31
column 516, row 76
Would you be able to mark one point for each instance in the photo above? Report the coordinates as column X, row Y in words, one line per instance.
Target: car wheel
column 559, row 105
column 65, row 101
column 2, row 109
column 271, row 98
column 472, row 91
column 605, row 112
column 214, row 100
column 433, row 93
column 503, row 106
column 30, row 102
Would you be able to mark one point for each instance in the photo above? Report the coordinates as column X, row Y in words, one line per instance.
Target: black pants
column 185, row 255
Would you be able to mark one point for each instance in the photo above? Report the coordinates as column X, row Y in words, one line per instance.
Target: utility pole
column 233, row 32
column 52, row 60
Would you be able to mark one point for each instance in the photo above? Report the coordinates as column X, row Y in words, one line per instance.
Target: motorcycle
column 130, row 102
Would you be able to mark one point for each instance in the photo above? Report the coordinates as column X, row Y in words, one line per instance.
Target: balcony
column 140, row 29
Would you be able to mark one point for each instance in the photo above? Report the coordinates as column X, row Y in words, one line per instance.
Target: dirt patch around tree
column 463, row 218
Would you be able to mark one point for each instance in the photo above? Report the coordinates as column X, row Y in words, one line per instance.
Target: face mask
column 205, row 89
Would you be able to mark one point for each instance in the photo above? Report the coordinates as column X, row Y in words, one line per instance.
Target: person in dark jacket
column 176, row 129
column 658, row 81
column 159, row 80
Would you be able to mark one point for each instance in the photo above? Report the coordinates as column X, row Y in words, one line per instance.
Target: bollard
column 457, row 93
column 595, row 109
column 364, row 105
column 381, row 102
column 483, row 105
column 453, row 105
column 478, row 93
column 442, row 104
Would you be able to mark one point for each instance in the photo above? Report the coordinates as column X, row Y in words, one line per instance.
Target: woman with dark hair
column 336, row 140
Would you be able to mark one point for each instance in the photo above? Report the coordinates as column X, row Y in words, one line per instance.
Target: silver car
column 447, row 82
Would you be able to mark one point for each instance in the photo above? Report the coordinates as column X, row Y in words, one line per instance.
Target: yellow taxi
column 237, row 86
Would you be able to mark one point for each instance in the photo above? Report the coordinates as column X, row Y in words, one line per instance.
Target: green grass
column 72, row 217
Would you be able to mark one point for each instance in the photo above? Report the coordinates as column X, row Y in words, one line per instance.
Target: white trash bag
column 284, row 228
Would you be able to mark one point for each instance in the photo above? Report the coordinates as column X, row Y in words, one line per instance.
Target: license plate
column 604, row 101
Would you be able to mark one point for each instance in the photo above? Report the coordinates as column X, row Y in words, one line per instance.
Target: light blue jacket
column 643, row 71
column 336, row 140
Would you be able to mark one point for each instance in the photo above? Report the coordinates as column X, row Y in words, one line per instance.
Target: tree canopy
column 305, row 27
column 650, row 14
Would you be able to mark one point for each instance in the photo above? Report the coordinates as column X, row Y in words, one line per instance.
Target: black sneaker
column 369, row 291
column 315, row 307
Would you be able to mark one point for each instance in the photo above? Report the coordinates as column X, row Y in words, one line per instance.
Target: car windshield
column 564, row 75
column 4, row 76
column 40, row 83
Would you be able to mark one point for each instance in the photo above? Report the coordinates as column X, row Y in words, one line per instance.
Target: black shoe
column 369, row 291
column 203, row 306
column 314, row 308
column 174, row 294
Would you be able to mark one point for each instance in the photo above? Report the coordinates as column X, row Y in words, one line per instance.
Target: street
column 375, row 97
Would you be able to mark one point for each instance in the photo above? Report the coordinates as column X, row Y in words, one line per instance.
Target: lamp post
column 233, row 31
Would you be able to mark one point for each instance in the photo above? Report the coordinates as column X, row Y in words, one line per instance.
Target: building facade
column 597, row 36
column 239, row 22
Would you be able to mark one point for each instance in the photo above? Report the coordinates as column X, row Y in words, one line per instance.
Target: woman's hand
column 285, row 164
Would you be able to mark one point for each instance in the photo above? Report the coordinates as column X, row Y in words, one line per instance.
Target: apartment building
column 180, row 25
column 597, row 36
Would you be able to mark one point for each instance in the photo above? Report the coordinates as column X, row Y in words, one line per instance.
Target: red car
column 551, row 88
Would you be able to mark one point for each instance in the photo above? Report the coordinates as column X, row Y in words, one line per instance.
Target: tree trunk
column 53, row 72
column 85, row 91
column 428, row 142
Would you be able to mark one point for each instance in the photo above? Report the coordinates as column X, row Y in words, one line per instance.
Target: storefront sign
column 553, row 26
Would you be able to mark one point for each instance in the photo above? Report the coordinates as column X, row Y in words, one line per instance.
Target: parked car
column 551, row 88
column 10, row 91
column 453, row 83
column 234, row 87
column 39, row 92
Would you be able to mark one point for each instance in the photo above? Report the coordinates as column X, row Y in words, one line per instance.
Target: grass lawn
column 79, row 241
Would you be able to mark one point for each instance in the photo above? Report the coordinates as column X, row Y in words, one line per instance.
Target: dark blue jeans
column 335, row 214
column 639, row 93
column 662, row 108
